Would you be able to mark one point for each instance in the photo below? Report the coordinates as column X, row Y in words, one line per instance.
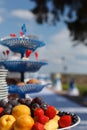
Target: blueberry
column 34, row 106
column 74, row 119
column 44, row 106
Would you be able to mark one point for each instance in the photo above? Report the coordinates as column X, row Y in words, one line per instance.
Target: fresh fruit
column 43, row 119
column 21, row 100
column 38, row 126
column 52, row 124
column 38, row 112
column 28, row 102
column 3, row 103
column 23, row 122
column 1, row 109
column 38, row 100
column 33, row 114
column 50, row 112
column 21, row 110
column 13, row 102
column 7, row 111
column 65, row 121
column 74, row 118
column 28, row 53
column 6, row 122
column 44, row 105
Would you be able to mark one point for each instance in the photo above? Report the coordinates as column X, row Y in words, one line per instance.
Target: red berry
column 1, row 109
column 65, row 121
column 38, row 126
column 50, row 112
column 43, row 119
column 38, row 112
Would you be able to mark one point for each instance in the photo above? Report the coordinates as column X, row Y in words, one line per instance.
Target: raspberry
column 43, row 119
column 65, row 121
column 50, row 112
column 38, row 112
column 38, row 126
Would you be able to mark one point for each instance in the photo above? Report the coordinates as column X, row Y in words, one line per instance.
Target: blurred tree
column 73, row 12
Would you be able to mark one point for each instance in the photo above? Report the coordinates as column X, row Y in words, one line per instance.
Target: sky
column 58, row 50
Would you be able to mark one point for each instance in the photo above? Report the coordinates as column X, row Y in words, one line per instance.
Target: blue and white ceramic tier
column 26, row 89
column 21, row 44
column 22, row 65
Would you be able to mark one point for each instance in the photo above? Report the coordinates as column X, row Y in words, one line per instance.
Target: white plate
column 5, row 95
column 5, row 70
column 2, row 92
column 1, row 72
column 3, row 85
column 3, row 75
column 68, row 128
column 3, row 81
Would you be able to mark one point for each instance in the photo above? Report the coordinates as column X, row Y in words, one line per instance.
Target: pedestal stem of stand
column 22, row 76
column 22, row 73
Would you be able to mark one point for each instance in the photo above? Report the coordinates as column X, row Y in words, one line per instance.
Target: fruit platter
column 34, row 114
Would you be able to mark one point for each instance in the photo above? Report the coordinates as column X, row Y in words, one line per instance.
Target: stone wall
column 80, row 79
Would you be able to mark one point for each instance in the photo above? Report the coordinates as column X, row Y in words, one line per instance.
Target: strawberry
column 65, row 121
column 50, row 112
column 38, row 112
column 43, row 119
column 1, row 109
column 38, row 126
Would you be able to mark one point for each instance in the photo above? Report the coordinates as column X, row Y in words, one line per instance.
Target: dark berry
column 21, row 100
column 27, row 102
column 44, row 106
column 38, row 100
column 74, row 119
column 34, row 106
column 3, row 103
column 7, row 111
column 9, row 105
column 13, row 102
column 62, row 113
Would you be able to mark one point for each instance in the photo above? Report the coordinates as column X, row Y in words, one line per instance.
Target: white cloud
column 24, row 14
column 60, row 45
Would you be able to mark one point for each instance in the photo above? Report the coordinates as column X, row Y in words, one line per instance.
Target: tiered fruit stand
column 20, row 45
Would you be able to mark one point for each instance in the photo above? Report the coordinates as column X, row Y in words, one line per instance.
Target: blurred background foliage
column 72, row 12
